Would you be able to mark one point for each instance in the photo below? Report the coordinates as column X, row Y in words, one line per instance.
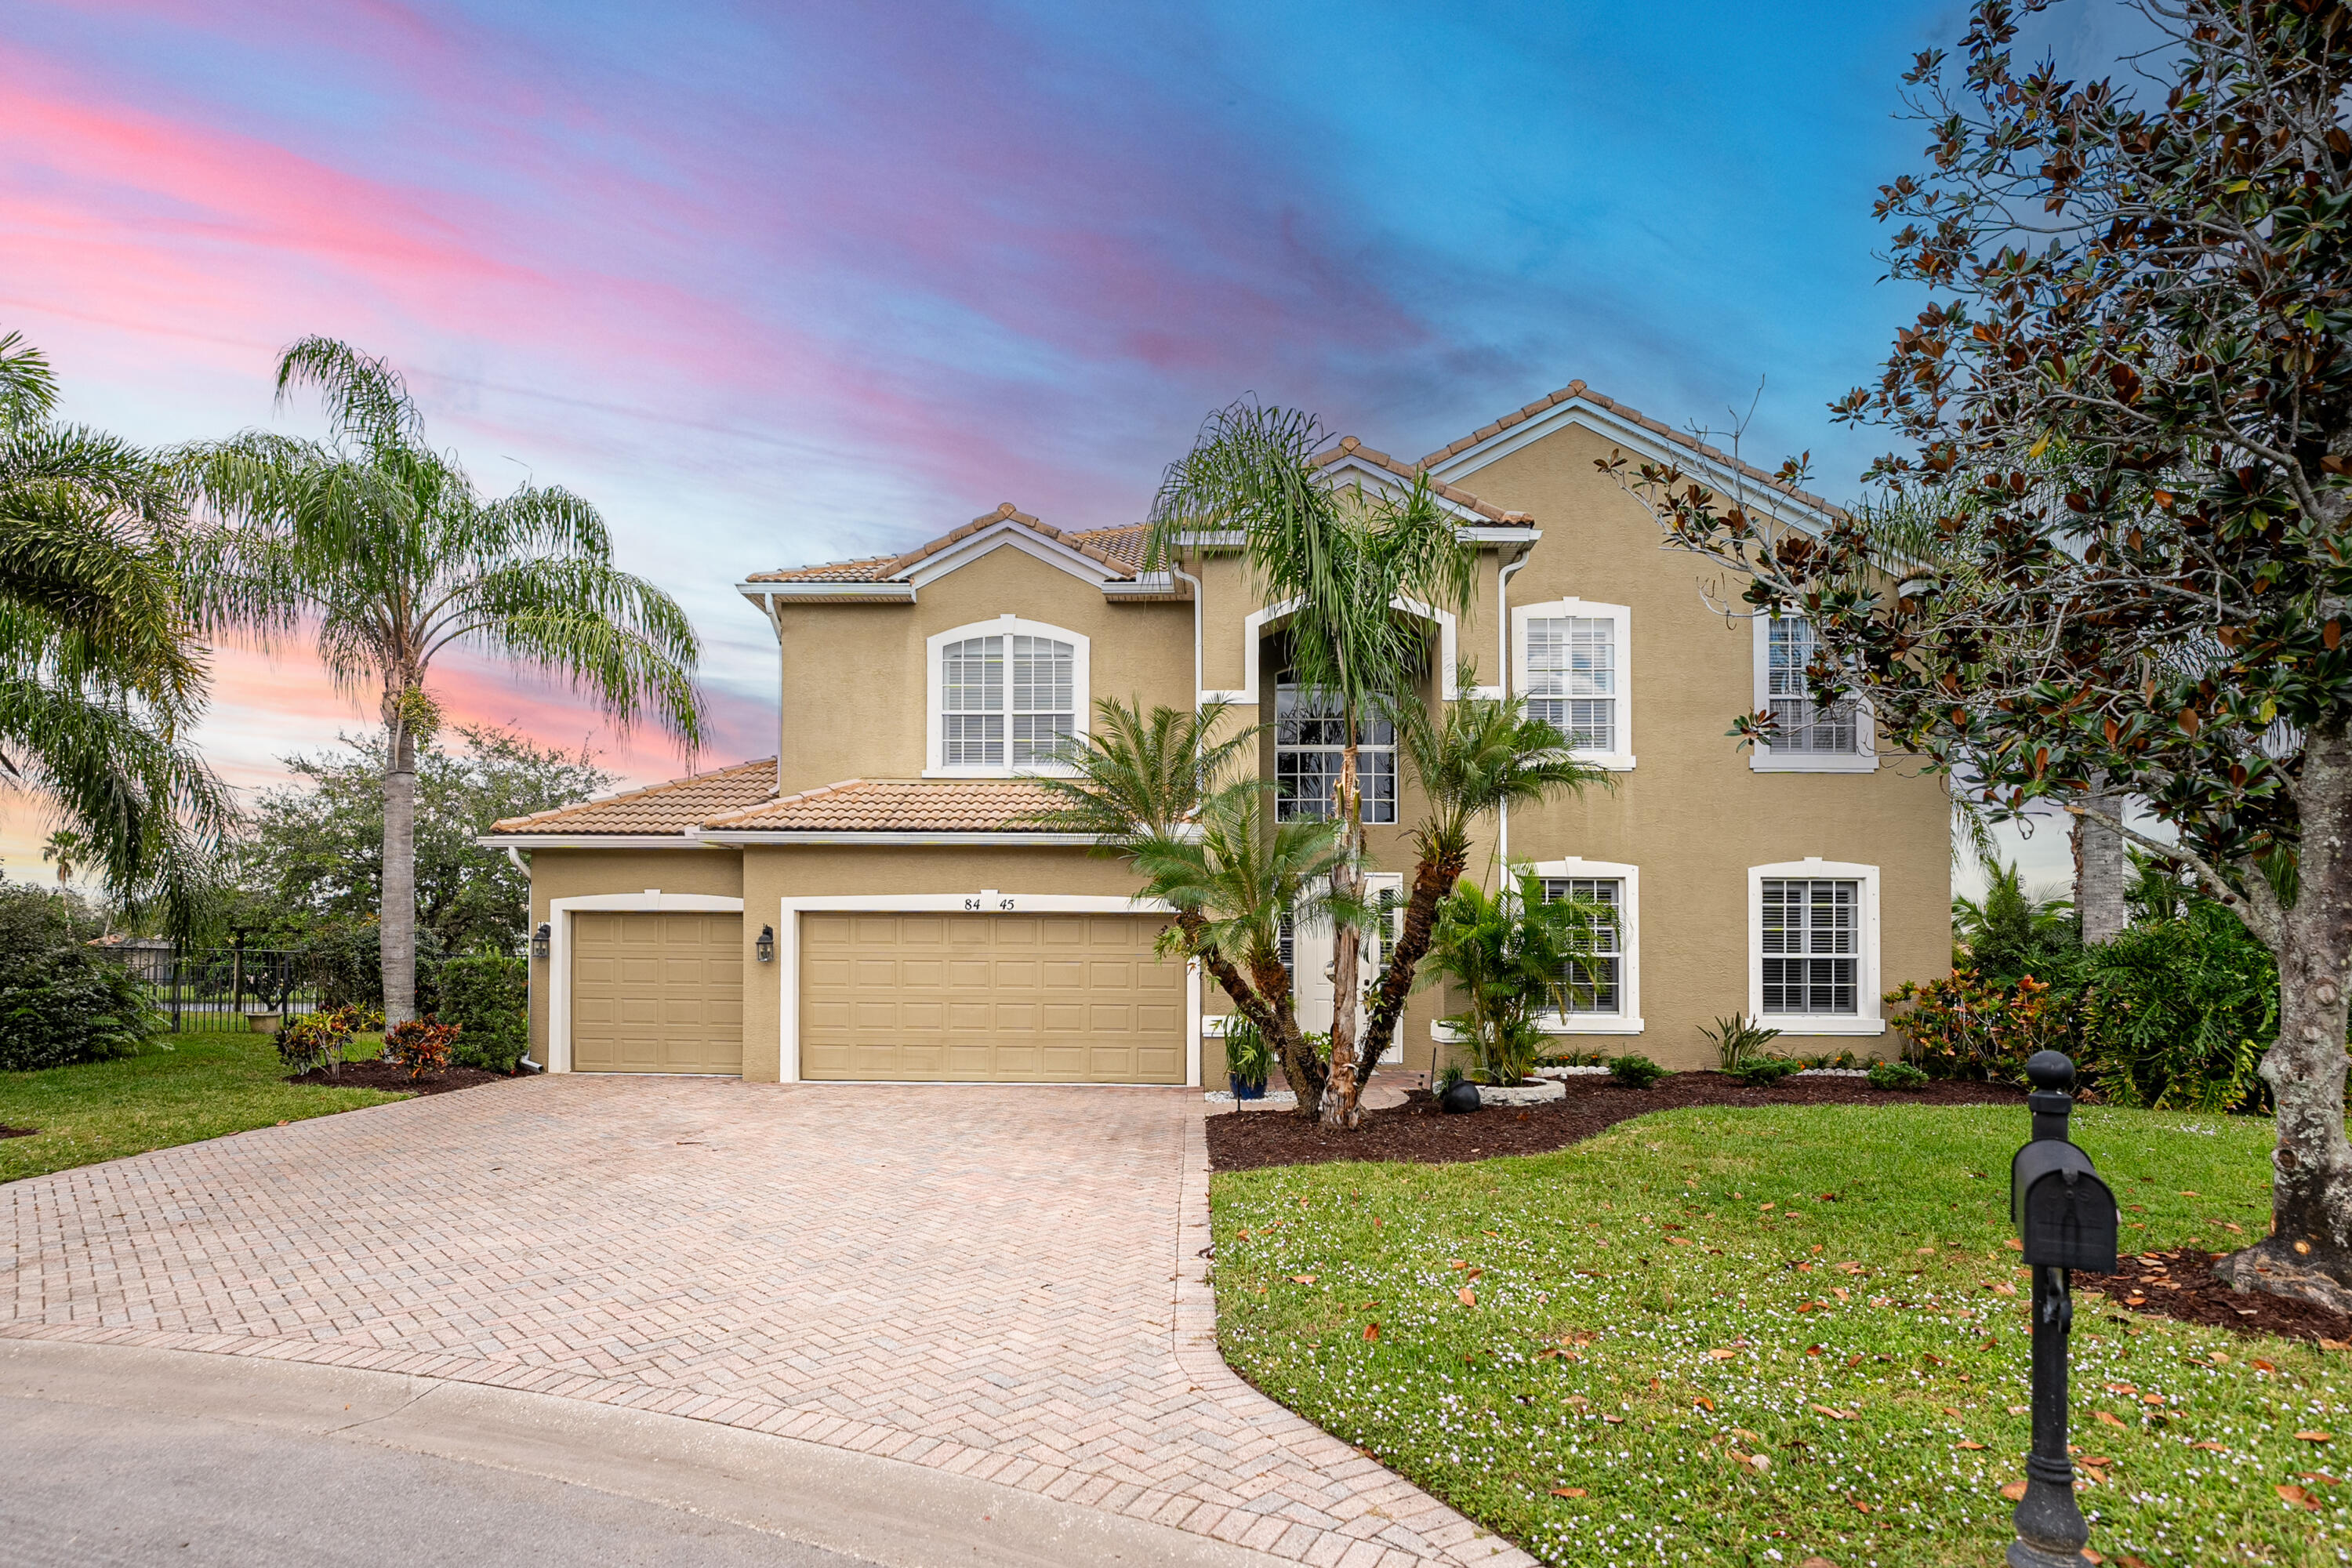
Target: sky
column 773, row 284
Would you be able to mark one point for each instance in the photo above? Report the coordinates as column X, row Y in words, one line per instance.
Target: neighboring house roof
column 1576, row 392
column 900, row 806
column 1120, row 549
column 671, row 808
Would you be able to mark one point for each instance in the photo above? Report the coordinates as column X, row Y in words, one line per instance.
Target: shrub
column 318, row 1039
column 61, row 1001
column 1962, row 1027
column 1738, row 1040
column 420, row 1045
column 488, row 995
column 1448, row 1076
column 1635, row 1070
column 1505, row 954
column 1248, row 1056
column 1896, row 1075
column 1763, row 1072
column 2175, row 1015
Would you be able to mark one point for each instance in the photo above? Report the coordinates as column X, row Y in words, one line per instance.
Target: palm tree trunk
column 1341, row 1089
column 2099, row 868
column 396, row 922
column 1431, row 881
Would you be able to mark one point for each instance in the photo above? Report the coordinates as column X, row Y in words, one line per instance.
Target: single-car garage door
column 657, row 993
column 1005, row 998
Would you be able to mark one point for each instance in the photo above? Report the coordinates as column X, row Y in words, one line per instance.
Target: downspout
column 523, row 866
column 1502, row 650
column 1197, row 1007
column 1198, row 669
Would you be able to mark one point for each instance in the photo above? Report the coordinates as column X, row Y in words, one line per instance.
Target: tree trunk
column 2099, row 868
column 2308, row 1253
column 1301, row 1067
column 1431, row 881
column 396, row 923
column 1341, row 1091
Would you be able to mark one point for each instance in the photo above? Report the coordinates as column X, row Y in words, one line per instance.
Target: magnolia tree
column 2126, row 412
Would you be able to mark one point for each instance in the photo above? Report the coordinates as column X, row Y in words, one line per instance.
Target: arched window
column 1007, row 697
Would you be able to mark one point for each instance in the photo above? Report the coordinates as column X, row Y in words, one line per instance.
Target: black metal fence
column 208, row 989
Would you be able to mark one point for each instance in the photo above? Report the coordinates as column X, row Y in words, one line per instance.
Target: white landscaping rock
column 1272, row 1099
column 1571, row 1072
column 1523, row 1094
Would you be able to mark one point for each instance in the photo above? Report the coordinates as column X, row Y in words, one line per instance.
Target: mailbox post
column 2066, row 1219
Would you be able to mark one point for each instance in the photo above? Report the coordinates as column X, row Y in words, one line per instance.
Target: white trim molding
column 1619, row 757
column 687, row 838
column 558, row 958
column 1763, row 759
column 988, row 900
column 1004, row 625
column 1627, row 1020
column 1253, row 630
column 1867, row 1018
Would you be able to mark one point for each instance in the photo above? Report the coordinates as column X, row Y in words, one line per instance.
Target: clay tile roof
column 1350, row 447
column 671, row 808
column 1111, row 547
column 900, row 806
column 1683, row 438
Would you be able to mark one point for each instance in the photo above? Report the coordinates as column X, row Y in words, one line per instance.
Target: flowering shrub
column 1962, row 1026
column 318, row 1039
column 421, row 1045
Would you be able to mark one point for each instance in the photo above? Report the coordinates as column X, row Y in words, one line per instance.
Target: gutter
column 1195, row 584
column 1503, row 640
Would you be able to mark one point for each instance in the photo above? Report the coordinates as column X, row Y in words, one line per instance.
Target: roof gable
column 1097, row 555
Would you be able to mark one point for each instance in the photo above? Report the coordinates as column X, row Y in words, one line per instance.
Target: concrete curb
column 882, row 1510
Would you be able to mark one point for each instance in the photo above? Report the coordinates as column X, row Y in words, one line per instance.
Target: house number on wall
column 984, row 900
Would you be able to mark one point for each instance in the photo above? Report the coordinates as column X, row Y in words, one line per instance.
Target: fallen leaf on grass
column 1702, row 1402
column 2123, row 1388
column 1760, row 1462
column 1969, row 1443
column 1836, row 1414
column 2014, row 1490
column 2259, row 1364
column 2126, row 1560
column 2110, row 1420
column 2320, row 1476
column 2021, row 1409
column 1567, row 1491
column 1302, row 1279
column 1466, row 1296
column 1722, row 1354
column 2299, row 1496
column 2212, row 1448
column 2315, row 1436
column 1817, row 1562
column 1371, row 1334
column 2015, row 1245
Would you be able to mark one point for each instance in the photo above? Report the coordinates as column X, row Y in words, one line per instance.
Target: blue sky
column 787, row 283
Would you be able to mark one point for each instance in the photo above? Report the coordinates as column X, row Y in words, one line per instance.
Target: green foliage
column 2177, row 1015
column 420, row 1046
column 1507, row 957
column 1964, row 1027
column 488, row 996
column 320, row 1039
column 1896, row 1075
column 1634, row 1070
column 309, row 870
column 1448, row 1076
column 1248, row 1055
column 2011, row 934
column 1760, row 1071
column 1738, row 1040
column 62, row 1001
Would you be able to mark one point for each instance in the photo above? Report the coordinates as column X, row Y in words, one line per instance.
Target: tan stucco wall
column 581, row 873
column 854, row 675
column 1692, row 813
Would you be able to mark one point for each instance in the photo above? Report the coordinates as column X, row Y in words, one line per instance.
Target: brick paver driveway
column 1000, row 1282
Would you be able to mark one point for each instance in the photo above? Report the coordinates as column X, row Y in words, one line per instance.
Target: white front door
column 1312, row 959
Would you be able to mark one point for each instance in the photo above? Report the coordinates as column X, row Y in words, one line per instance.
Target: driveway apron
column 1003, row 1283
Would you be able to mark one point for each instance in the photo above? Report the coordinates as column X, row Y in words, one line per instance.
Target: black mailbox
column 2063, row 1213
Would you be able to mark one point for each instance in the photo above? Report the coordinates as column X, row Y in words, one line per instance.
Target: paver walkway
column 1003, row 1283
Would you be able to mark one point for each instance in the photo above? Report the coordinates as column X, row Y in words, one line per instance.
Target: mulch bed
column 1417, row 1130
column 376, row 1075
column 17, row 1131
column 2182, row 1284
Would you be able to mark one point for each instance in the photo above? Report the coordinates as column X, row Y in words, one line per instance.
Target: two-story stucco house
column 868, row 904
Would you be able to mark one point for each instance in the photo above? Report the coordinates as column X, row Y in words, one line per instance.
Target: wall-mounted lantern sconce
column 766, row 946
column 541, row 939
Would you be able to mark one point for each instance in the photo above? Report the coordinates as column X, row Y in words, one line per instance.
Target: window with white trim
column 1006, row 697
column 1573, row 663
column 1813, row 946
column 1309, row 741
column 1596, row 974
column 1807, row 737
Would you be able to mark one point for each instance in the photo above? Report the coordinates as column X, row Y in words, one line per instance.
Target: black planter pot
column 1245, row 1090
column 1459, row 1100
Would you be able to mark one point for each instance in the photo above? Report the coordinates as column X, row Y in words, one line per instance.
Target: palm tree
column 99, row 672
column 68, row 849
column 1482, row 757
column 1233, row 879
column 1138, row 776
column 384, row 553
column 1343, row 558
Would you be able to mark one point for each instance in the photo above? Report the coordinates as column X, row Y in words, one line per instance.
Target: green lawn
column 1755, row 1336
column 189, row 1087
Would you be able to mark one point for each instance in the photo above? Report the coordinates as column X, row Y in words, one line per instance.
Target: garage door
column 1007, row 998
column 657, row 993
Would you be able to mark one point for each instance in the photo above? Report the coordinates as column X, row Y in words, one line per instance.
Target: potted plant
column 1248, row 1059
column 1510, row 957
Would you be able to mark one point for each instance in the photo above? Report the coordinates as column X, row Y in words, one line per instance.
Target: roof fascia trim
column 683, row 839
column 1719, row 475
column 880, row 593
column 748, row 836
column 1019, row 535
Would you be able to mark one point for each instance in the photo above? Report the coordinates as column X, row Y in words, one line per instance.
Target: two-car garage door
column 989, row 998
